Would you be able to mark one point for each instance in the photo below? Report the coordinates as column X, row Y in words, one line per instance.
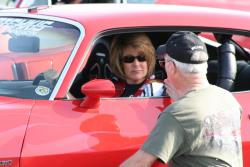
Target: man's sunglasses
column 131, row 59
column 162, row 63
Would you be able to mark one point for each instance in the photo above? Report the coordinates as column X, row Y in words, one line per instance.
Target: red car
column 47, row 118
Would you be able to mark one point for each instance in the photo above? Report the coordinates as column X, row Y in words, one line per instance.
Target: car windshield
column 33, row 53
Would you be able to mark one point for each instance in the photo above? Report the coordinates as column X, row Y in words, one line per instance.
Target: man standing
column 201, row 128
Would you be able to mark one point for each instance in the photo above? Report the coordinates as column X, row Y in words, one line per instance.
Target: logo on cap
column 197, row 47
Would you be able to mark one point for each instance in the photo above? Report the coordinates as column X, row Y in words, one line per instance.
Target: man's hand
column 139, row 159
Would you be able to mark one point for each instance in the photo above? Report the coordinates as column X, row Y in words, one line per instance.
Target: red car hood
column 14, row 117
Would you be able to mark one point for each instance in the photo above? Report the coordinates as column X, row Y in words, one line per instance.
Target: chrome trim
column 14, row 71
column 243, row 91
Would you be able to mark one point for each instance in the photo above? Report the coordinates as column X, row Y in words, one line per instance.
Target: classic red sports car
column 47, row 118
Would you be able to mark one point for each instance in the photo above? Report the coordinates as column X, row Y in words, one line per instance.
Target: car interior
column 228, row 64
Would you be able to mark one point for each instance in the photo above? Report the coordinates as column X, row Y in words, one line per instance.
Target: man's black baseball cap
column 185, row 47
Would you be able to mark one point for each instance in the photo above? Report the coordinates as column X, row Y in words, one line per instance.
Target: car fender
column 14, row 118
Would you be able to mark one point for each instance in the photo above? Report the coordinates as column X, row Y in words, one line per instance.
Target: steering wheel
column 50, row 76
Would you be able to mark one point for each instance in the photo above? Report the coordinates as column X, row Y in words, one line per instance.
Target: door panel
column 61, row 133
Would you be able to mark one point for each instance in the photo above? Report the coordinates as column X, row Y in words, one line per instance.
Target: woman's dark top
column 130, row 90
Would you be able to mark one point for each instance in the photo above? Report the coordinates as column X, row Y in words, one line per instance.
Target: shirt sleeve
column 165, row 139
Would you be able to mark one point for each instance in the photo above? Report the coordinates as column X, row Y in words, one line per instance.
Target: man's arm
column 139, row 159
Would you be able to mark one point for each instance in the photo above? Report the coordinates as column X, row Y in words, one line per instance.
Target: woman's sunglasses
column 131, row 59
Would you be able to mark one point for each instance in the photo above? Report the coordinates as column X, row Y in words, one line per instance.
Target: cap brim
column 161, row 51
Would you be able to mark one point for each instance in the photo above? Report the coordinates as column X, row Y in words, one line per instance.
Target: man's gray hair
column 190, row 68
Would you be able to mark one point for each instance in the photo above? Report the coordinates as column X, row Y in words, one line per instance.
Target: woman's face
column 135, row 65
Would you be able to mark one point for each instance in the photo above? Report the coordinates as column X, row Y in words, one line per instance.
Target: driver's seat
column 97, row 67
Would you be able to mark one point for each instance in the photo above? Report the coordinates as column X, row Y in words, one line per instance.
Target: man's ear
column 172, row 67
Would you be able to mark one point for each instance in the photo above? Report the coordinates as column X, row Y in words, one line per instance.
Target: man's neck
column 191, row 82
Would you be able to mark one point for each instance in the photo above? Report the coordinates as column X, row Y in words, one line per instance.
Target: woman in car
column 133, row 62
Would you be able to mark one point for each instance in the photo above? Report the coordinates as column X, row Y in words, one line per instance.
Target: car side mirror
column 94, row 90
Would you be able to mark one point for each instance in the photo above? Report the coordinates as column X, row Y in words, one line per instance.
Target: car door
column 67, row 133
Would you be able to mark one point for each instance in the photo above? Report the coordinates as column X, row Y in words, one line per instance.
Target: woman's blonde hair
column 137, row 40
